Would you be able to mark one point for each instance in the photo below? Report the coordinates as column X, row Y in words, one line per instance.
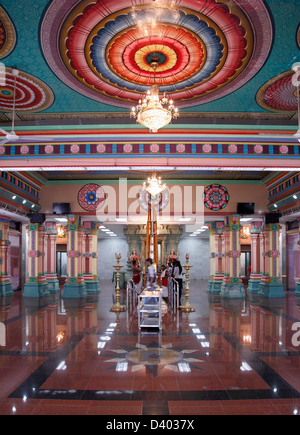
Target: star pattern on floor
column 154, row 358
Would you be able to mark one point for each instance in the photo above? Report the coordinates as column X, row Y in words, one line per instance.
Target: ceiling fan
column 12, row 136
column 296, row 83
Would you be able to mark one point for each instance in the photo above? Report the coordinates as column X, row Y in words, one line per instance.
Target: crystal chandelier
column 154, row 185
column 151, row 112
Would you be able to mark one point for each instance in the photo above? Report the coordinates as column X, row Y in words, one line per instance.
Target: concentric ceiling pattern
column 205, row 49
column 279, row 94
column 32, row 95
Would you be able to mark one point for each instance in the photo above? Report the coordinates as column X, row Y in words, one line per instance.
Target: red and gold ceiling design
column 279, row 94
column 205, row 49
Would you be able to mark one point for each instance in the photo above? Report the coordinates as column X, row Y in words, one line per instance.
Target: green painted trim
column 168, row 127
column 175, row 182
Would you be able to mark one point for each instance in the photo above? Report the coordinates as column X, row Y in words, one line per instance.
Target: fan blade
column 3, row 131
column 297, row 135
column 3, row 142
column 273, row 135
column 49, row 138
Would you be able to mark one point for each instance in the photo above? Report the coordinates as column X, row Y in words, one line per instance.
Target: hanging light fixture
column 151, row 112
column 154, row 185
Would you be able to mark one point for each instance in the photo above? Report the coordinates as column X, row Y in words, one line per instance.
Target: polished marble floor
column 76, row 357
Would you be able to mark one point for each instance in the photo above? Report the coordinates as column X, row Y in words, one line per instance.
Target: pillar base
column 297, row 292
column 74, row 291
column 267, row 290
column 92, row 287
column 233, row 291
column 36, row 290
column 6, row 289
column 53, row 286
column 253, row 286
column 214, row 287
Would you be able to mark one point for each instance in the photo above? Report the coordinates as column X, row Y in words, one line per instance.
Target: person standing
column 136, row 276
column 164, row 281
column 177, row 274
column 151, row 281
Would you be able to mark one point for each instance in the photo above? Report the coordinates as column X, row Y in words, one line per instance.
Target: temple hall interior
column 149, row 207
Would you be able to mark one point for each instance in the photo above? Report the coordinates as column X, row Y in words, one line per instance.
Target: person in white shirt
column 151, row 281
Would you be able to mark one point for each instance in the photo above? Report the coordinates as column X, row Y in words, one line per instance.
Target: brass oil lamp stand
column 187, row 308
column 118, row 308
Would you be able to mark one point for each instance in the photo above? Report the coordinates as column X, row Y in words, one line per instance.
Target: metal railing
column 173, row 290
column 133, row 292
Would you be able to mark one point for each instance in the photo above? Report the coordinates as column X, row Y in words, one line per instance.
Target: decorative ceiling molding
column 255, row 116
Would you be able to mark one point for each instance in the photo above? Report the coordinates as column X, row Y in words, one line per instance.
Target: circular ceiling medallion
column 216, row 197
column 91, row 197
column 279, row 94
column 204, row 50
column 32, row 95
column 7, row 34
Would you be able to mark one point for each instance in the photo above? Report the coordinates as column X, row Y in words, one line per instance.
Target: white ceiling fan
column 12, row 136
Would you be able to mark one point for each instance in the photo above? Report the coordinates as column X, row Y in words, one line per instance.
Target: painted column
column 216, row 273
column 36, row 283
column 91, row 272
column 232, row 286
column 271, row 284
column 5, row 282
column 255, row 276
column 74, row 287
column 51, row 274
column 297, row 292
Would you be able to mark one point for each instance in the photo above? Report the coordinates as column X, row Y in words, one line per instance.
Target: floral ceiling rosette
column 216, row 197
column 205, row 49
column 91, row 197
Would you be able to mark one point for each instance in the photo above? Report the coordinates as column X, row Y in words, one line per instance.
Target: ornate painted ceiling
column 83, row 60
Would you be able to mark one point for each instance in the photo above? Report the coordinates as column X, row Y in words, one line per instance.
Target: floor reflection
column 226, row 354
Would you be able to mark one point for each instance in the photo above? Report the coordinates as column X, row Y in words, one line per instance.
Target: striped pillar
column 271, row 284
column 74, row 287
column 232, row 286
column 50, row 263
column 5, row 282
column 36, row 284
column 255, row 277
column 216, row 273
column 91, row 257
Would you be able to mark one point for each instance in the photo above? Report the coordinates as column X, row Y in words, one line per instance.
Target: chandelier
column 151, row 112
column 154, row 185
